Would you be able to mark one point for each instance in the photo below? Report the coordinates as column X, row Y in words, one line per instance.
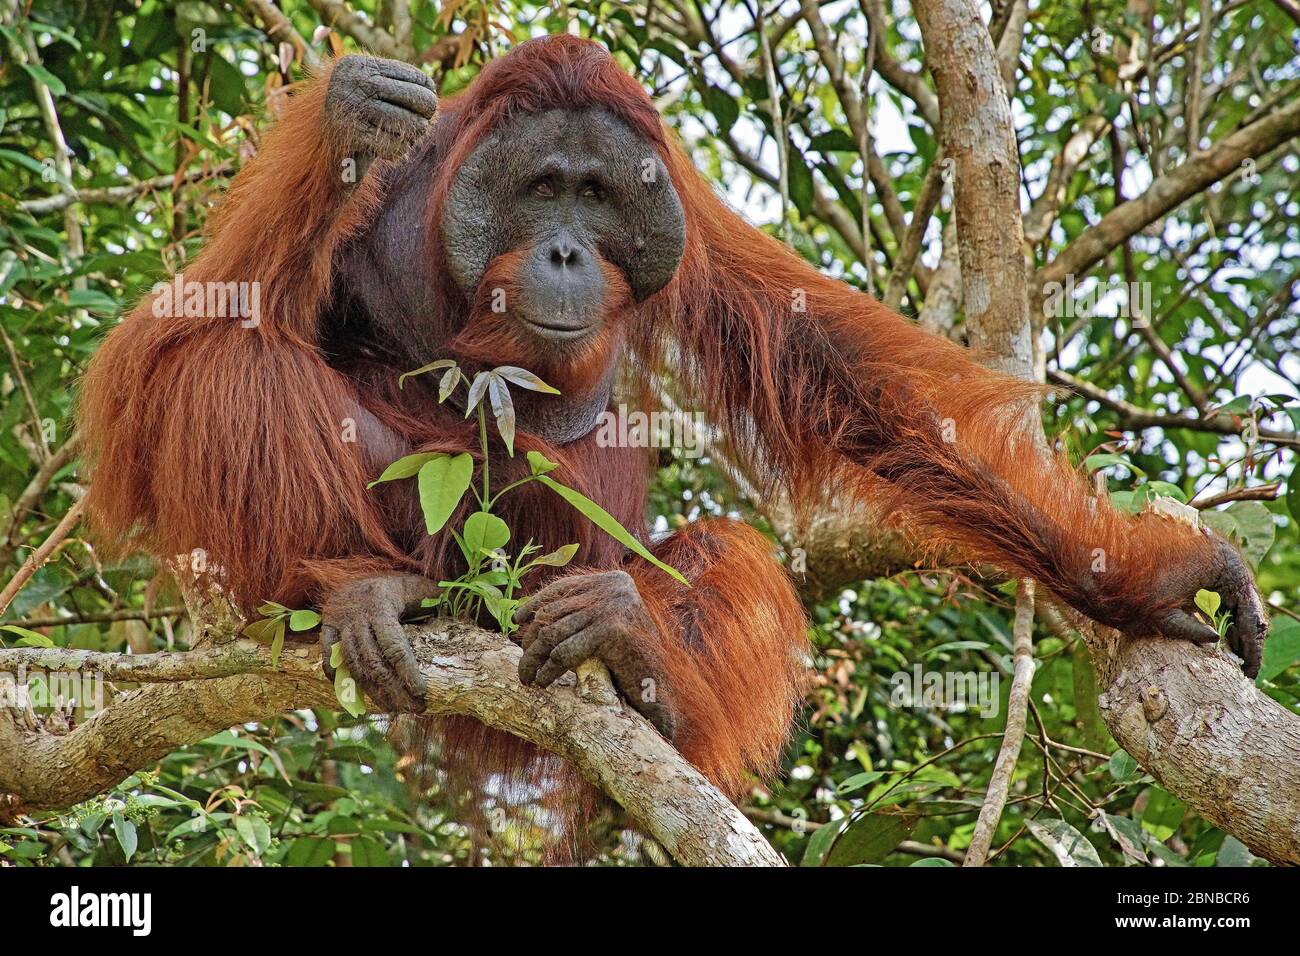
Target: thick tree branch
column 1194, row 722
column 1196, row 174
column 470, row 672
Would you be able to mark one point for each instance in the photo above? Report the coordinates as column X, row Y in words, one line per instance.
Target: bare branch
column 42, row 554
column 278, row 28
column 335, row 14
column 1134, row 417
column 470, row 672
column 995, row 799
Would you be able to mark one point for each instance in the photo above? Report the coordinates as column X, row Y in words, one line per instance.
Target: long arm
column 732, row 647
column 223, row 431
column 817, row 385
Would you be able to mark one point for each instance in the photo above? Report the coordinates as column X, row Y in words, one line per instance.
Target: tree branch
column 1187, row 714
column 335, row 14
column 470, row 672
column 1196, row 174
column 1136, row 418
column 995, row 799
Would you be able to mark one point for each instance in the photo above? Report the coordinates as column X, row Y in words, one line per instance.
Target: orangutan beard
column 583, row 371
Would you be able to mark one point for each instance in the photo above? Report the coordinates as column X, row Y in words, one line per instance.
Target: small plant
column 275, row 619
column 493, row 578
column 1208, row 603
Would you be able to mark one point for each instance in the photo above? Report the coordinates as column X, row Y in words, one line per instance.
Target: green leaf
column 406, row 467
column 869, row 839
column 29, row 638
column 539, row 463
column 932, row 861
column 443, row 481
column 557, row 558
column 127, row 838
column 1151, row 489
column 1208, row 601
column 228, row 739
column 1255, row 528
column 303, row 620
column 1122, row 766
column 503, row 410
column 1095, row 462
column 264, row 631
column 1234, row 853
column 858, row 781
column 722, row 105
column 345, row 688
column 1239, row 405
column 1282, row 649
column 819, row 843
column 608, row 524
column 834, row 141
column 255, row 832
column 1163, row 813
column 226, row 85
column 1068, row 845
column 801, row 182
column 367, row 851
column 524, row 379
column 42, row 75
column 484, row 531
column 277, row 643
column 431, row 367
column 310, row 852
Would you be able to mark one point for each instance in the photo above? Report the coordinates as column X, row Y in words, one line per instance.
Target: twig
column 115, row 194
column 1135, row 418
column 100, row 617
column 1017, row 707
column 1258, row 493
column 36, row 487
column 41, row 554
column 21, row 379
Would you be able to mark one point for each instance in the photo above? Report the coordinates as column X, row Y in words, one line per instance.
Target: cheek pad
column 646, row 236
column 479, row 218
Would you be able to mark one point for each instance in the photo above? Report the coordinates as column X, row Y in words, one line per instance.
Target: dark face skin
column 567, row 188
column 575, row 196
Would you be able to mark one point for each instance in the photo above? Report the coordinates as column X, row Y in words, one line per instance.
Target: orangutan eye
column 593, row 191
column 544, row 189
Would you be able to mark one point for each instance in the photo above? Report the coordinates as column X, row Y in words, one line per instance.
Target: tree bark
column 470, row 672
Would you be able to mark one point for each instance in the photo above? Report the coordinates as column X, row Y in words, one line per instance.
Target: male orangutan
column 383, row 240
